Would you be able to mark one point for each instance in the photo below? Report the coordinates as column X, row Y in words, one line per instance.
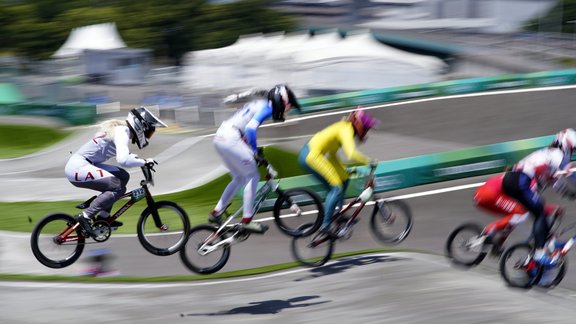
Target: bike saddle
column 87, row 203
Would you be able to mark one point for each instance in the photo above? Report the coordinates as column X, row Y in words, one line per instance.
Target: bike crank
column 102, row 231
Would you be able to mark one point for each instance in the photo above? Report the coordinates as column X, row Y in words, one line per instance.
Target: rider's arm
column 252, row 127
column 123, row 155
column 245, row 95
column 349, row 147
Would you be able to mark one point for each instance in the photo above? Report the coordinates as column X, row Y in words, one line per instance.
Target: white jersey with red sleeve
column 542, row 164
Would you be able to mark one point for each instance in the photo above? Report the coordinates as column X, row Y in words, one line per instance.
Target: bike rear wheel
column 50, row 248
column 204, row 262
column 312, row 250
column 391, row 221
column 517, row 267
column 296, row 207
column 172, row 233
column 460, row 247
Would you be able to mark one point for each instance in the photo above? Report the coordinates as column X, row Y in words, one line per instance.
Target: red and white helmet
column 565, row 140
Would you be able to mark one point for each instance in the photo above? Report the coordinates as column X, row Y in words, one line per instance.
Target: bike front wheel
column 518, row 268
column 55, row 243
column 312, row 250
column 391, row 221
column 552, row 277
column 462, row 247
column 204, row 251
column 163, row 228
column 296, row 207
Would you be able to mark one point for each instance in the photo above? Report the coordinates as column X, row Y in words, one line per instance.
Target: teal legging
column 335, row 195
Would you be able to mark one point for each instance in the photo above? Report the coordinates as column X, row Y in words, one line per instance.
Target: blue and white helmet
column 142, row 124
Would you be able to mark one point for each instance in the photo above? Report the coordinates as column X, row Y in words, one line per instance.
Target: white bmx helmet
column 142, row 124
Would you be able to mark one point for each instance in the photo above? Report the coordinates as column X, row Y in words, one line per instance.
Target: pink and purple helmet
column 362, row 122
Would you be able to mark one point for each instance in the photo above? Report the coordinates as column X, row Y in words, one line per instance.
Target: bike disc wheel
column 552, row 277
column 391, row 221
column 172, row 233
column 312, row 250
column 46, row 247
column 211, row 262
column 460, row 248
column 297, row 207
column 517, row 267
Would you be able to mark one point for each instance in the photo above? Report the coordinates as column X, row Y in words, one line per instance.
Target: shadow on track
column 347, row 263
column 264, row 307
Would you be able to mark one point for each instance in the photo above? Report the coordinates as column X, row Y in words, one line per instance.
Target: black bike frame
column 135, row 196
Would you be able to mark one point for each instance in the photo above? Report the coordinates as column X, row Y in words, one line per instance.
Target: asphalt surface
column 417, row 288
column 383, row 288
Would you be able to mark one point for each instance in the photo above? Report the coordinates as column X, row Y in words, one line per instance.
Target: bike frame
column 357, row 199
column 270, row 185
column 135, row 196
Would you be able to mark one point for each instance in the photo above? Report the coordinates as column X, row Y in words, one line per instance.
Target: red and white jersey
column 541, row 165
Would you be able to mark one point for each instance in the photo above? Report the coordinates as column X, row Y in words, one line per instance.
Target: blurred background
column 185, row 56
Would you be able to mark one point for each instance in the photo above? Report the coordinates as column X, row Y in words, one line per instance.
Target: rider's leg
column 518, row 185
column 252, row 175
column 234, row 153
column 108, row 179
column 324, row 170
column 490, row 197
column 113, row 188
column 239, row 159
column 343, row 175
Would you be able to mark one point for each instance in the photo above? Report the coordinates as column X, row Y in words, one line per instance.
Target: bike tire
column 189, row 251
column 457, row 242
column 561, row 272
column 310, row 205
column 46, row 230
column 387, row 214
column 528, row 273
column 308, row 255
column 163, row 242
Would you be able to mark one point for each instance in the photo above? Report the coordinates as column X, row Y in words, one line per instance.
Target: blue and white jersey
column 248, row 119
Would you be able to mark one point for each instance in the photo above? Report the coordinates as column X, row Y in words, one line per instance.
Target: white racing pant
column 108, row 179
column 239, row 159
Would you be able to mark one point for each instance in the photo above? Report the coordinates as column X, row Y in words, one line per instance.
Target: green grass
column 192, row 277
column 197, row 202
column 20, row 140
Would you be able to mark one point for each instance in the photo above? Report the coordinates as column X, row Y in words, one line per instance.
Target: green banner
column 453, row 87
column 430, row 168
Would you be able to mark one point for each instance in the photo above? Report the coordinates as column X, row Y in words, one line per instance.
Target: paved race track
column 411, row 288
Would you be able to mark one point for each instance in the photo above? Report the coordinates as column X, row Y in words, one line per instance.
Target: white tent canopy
column 95, row 37
column 325, row 60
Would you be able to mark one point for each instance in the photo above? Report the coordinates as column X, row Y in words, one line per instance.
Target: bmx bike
column 208, row 246
column 391, row 222
column 58, row 239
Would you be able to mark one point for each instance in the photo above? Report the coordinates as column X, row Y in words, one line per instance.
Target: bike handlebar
column 147, row 170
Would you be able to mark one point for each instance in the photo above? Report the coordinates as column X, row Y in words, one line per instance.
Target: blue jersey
column 248, row 119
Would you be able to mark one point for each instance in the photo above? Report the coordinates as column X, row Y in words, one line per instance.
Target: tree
column 36, row 29
column 560, row 18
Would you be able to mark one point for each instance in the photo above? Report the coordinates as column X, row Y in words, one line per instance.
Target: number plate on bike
column 138, row 194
